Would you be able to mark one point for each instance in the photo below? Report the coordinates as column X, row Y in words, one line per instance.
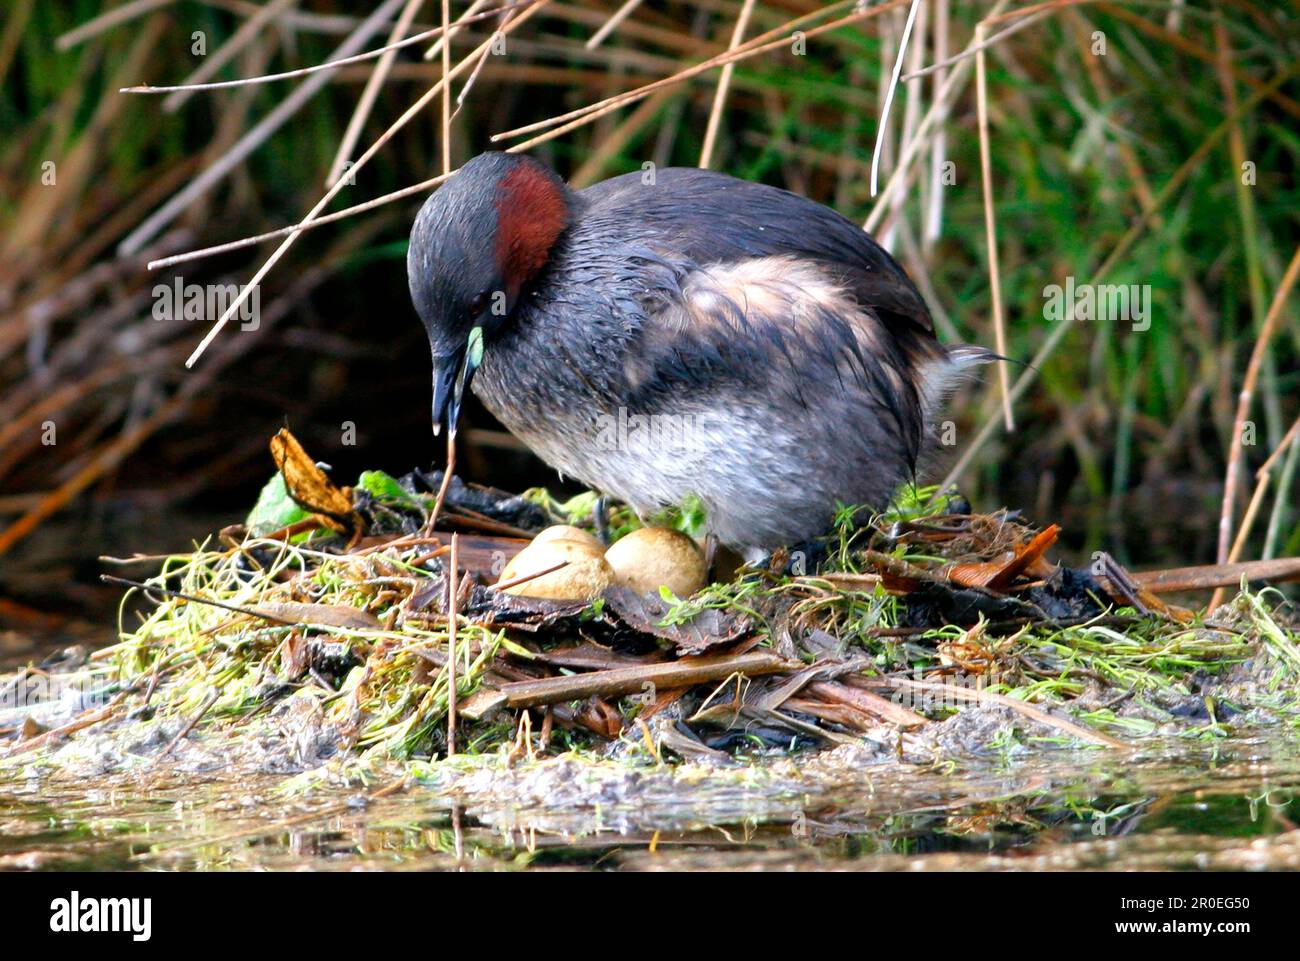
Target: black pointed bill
column 452, row 374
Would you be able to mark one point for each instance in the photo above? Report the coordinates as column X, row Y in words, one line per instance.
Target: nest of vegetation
column 325, row 619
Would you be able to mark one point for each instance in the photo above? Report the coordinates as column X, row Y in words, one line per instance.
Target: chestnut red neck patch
column 531, row 214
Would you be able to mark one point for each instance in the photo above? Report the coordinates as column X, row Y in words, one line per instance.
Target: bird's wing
column 708, row 217
column 768, row 290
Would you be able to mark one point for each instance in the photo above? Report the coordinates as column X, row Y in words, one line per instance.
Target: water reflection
column 1226, row 809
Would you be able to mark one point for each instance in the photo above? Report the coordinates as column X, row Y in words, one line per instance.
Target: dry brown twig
column 471, row 13
column 771, row 40
column 333, row 63
column 453, row 597
column 245, row 34
column 478, row 68
column 937, row 112
column 724, row 84
column 1263, row 478
column 108, row 20
column 1236, row 448
column 371, row 91
column 446, row 91
column 991, row 224
column 612, row 24
column 883, row 125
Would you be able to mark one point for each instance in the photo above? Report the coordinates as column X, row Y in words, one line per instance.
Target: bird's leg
column 710, row 553
column 600, row 518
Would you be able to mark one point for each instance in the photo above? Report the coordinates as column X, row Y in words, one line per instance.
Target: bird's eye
column 478, row 304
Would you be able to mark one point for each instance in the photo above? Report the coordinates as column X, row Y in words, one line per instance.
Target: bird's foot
column 797, row 560
column 710, row 555
column 600, row 518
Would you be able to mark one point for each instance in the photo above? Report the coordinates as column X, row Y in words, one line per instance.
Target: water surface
column 1223, row 806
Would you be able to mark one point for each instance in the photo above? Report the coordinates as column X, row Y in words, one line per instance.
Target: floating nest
column 326, row 627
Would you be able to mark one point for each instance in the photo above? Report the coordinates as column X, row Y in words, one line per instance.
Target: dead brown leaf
column 310, row 488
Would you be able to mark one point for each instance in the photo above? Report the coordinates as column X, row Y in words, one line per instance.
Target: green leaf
column 579, row 507
column 689, row 517
column 386, row 489
column 274, row 509
column 692, row 518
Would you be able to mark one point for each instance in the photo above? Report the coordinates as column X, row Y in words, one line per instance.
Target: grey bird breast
column 767, row 362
